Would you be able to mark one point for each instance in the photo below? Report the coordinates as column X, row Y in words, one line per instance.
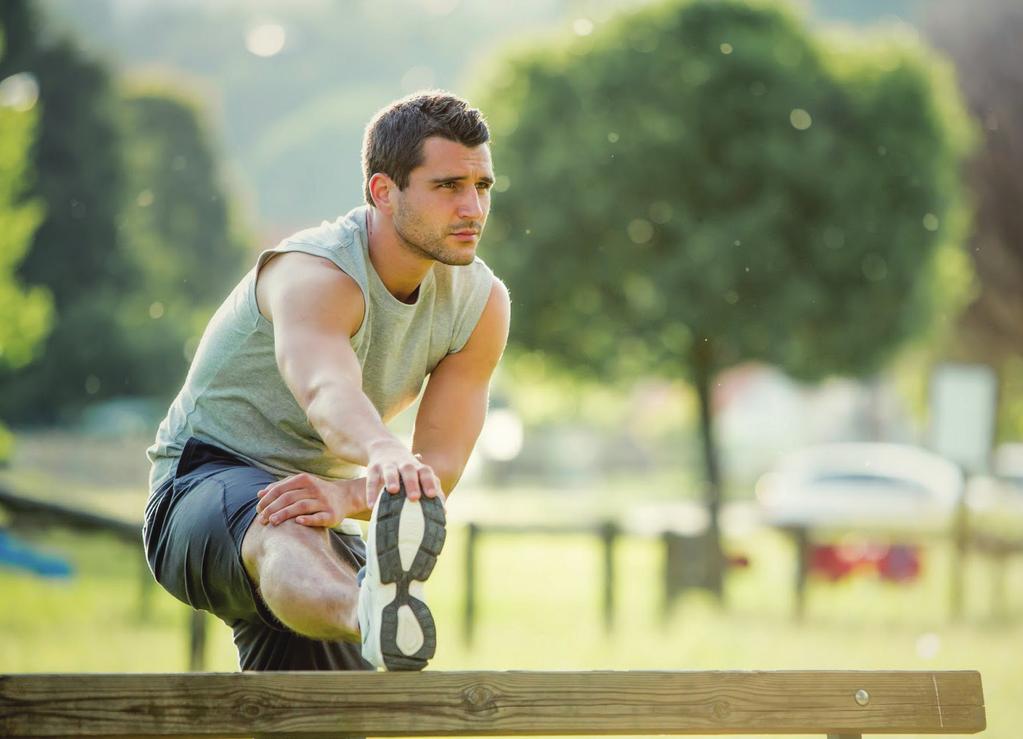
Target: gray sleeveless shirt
column 235, row 398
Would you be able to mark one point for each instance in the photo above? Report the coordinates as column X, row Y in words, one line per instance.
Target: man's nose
column 471, row 205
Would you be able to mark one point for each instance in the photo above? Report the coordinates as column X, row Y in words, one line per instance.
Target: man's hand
column 308, row 499
column 390, row 464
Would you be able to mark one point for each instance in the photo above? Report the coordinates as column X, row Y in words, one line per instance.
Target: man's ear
column 383, row 190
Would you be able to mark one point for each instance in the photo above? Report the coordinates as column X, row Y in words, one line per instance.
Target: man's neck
column 401, row 270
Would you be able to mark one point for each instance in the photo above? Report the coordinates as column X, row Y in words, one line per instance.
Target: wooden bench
column 840, row 705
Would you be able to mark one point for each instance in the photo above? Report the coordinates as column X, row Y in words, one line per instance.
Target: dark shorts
column 193, row 532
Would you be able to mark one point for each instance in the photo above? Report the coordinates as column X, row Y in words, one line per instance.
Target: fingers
column 429, row 483
column 410, row 476
column 374, row 483
column 270, row 493
column 392, row 480
column 298, row 508
column 291, row 497
column 272, row 509
column 322, row 519
column 395, row 468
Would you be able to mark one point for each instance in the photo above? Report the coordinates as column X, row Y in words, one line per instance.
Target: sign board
column 964, row 401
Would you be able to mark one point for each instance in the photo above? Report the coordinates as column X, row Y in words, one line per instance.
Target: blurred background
column 763, row 402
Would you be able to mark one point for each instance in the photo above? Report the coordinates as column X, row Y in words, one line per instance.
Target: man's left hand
column 309, row 500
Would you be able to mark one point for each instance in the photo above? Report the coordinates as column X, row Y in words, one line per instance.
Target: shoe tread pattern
column 391, row 571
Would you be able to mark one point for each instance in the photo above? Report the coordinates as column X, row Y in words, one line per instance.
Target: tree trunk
column 703, row 371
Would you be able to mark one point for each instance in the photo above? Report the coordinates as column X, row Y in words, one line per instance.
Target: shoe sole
column 392, row 571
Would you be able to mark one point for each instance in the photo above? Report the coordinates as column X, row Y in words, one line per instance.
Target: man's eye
column 448, row 185
column 483, row 186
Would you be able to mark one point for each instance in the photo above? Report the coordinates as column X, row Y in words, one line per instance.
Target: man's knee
column 261, row 542
column 302, row 580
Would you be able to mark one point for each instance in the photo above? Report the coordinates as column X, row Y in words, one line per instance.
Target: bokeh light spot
column 266, row 39
column 928, row 645
column 640, row 231
column 800, row 119
column 582, row 26
column 19, row 91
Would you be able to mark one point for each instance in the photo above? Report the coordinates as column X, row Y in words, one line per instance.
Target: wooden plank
column 490, row 703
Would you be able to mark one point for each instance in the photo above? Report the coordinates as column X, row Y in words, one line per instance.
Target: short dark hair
column 393, row 143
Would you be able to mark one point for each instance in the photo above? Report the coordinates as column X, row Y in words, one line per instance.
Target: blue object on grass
column 17, row 554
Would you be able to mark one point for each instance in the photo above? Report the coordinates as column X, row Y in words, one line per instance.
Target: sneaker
column 405, row 538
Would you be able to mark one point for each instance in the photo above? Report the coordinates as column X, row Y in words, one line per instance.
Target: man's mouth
column 467, row 234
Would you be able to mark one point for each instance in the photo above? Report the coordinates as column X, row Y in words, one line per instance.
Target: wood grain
column 490, row 703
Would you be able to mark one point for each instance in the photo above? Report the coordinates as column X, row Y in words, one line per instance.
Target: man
column 257, row 466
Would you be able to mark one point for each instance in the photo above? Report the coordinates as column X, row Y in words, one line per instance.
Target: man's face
column 442, row 211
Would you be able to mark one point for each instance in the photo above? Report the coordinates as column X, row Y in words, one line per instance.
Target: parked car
column 996, row 499
column 861, row 486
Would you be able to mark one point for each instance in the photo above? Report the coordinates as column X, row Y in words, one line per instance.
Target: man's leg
column 195, row 531
column 301, row 579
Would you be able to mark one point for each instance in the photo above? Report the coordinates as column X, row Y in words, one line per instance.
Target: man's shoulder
column 344, row 231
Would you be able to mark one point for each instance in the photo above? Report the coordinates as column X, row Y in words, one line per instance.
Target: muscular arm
column 315, row 308
column 454, row 403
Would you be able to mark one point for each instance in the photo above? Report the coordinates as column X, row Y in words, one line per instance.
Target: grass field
column 538, row 609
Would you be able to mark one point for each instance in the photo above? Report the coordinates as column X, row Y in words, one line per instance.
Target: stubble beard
column 413, row 233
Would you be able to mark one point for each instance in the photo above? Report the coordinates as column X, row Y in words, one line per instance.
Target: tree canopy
column 136, row 246
column 177, row 229
column 27, row 312
column 702, row 183
column 708, row 172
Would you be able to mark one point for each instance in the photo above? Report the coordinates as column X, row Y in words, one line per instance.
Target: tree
column 177, row 230
column 137, row 247
column 982, row 41
column 703, row 183
column 74, row 252
column 28, row 311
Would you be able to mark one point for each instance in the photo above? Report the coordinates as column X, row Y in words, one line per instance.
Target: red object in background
column 739, row 561
column 895, row 563
column 900, row 563
column 829, row 560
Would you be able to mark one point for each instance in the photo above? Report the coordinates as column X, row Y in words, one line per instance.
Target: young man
column 257, row 468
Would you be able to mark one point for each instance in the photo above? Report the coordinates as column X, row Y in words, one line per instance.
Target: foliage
column 136, row 246
column 74, row 252
column 983, row 41
column 27, row 312
column 706, row 172
column 703, row 183
column 176, row 229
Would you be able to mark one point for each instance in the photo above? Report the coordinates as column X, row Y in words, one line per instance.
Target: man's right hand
column 390, row 464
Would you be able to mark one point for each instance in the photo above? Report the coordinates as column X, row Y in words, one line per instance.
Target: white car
column 876, row 486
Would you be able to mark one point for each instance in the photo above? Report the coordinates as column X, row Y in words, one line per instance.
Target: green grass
column 538, row 609
column 538, row 596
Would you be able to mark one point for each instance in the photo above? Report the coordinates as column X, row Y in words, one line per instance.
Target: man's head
column 427, row 166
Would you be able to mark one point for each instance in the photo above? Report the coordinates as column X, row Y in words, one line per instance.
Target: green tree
column 698, row 184
column 137, row 246
column 982, row 39
column 177, row 230
column 74, row 252
column 28, row 311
